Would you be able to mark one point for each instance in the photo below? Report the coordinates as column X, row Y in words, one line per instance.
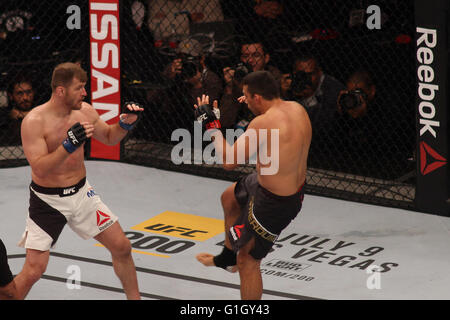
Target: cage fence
column 352, row 70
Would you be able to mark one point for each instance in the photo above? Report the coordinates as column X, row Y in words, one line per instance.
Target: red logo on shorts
column 102, row 218
column 237, row 229
column 426, row 153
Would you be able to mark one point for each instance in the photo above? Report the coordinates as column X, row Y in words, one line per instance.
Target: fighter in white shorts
column 53, row 139
column 51, row 208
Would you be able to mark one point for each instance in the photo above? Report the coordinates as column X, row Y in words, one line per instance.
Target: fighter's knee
column 122, row 247
column 228, row 200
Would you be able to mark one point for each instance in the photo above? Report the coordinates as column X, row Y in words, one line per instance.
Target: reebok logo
column 102, row 218
column 428, row 110
column 238, row 229
column 426, row 154
column 236, row 232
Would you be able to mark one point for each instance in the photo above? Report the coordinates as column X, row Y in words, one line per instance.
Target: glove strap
column 69, row 146
column 213, row 125
column 126, row 126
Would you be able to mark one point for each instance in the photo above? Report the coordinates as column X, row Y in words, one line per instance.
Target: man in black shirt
column 8, row 289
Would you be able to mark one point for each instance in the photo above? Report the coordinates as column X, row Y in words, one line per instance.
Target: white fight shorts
column 51, row 208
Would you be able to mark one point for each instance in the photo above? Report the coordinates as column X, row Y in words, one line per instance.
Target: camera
column 241, row 70
column 352, row 99
column 300, row 81
column 190, row 67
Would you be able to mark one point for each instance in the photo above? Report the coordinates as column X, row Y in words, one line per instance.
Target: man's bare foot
column 207, row 260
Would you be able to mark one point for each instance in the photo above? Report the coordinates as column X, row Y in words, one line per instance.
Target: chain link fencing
column 353, row 73
column 350, row 67
column 34, row 38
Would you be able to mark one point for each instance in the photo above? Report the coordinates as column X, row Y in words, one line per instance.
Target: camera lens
column 189, row 70
column 349, row 101
column 240, row 71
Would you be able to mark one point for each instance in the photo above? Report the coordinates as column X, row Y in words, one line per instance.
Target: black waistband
column 296, row 195
column 62, row 192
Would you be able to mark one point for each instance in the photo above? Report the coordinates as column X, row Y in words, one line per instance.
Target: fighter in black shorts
column 263, row 215
column 259, row 206
column 7, row 285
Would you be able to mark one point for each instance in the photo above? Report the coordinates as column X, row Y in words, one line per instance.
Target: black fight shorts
column 5, row 272
column 263, row 215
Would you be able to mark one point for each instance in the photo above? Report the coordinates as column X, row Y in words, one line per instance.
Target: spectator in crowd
column 256, row 55
column 268, row 9
column 169, row 18
column 355, row 100
column 17, row 23
column 20, row 96
column 253, row 57
column 21, row 101
column 316, row 91
column 362, row 137
column 259, row 16
column 231, row 109
column 285, row 79
column 190, row 77
column 190, row 68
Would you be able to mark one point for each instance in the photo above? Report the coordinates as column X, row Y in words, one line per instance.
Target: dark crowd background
column 356, row 82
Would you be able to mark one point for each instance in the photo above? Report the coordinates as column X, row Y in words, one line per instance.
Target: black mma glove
column 129, row 126
column 208, row 116
column 76, row 136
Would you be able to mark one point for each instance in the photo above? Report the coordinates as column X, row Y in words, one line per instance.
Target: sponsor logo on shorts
column 90, row 193
column 236, row 231
column 103, row 220
column 68, row 191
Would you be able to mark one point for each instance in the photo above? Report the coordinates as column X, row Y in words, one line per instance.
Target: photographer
column 189, row 77
column 316, row 91
column 253, row 57
column 189, row 70
column 353, row 102
column 361, row 140
column 231, row 109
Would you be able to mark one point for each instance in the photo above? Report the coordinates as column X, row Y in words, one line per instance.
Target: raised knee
column 228, row 201
column 224, row 198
